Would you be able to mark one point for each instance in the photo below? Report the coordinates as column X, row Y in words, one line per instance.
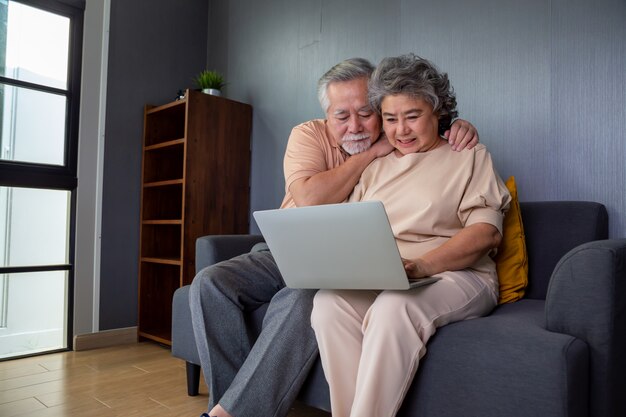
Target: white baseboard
column 105, row 338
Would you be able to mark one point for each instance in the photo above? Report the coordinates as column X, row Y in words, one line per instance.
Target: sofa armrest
column 216, row 248
column 587, row 299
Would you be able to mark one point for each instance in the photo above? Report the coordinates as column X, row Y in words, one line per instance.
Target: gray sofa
column 560, row 351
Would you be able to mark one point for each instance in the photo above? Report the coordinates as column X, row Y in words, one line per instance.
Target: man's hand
column 462, row 134
column 381, row 147
column 335, row 185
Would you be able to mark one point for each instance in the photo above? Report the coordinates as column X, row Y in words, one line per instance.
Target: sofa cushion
column 512, row 259
column 552, row 229
column 505, row 364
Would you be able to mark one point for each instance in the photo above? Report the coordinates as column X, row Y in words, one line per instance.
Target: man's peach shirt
column 311, row 149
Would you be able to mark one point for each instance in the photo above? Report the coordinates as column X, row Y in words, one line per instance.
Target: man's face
column 354, row 125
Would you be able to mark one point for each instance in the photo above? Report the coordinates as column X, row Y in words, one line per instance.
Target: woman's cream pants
column 371, row 341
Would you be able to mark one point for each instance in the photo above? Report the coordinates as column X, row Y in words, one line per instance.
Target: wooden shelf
column 195, row 177
column 158, row 335
column 165, row 261
column 162, row 183
column 161, row 241
column 164, row 123
column 165, row 144
column 164, row 202
column 156, row 109
column 162, row 222
column 157, row 283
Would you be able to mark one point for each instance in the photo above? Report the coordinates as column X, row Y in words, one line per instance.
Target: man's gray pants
column 251, row 378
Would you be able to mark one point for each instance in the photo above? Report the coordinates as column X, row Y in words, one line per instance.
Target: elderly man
column 323, row 162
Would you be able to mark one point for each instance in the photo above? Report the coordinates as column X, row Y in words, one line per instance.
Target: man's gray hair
column 415, row 77
column 347, row 70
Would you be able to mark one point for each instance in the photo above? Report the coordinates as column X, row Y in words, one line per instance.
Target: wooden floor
column 140, row 379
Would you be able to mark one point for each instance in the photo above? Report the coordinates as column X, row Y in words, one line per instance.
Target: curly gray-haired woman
column 446, row 210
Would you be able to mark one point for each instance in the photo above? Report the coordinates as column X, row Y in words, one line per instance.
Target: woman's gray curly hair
column 418, row 78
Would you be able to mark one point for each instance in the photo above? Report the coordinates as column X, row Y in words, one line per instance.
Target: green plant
column 210, row 79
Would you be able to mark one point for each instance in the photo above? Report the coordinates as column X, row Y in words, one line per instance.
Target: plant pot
column 212, row 91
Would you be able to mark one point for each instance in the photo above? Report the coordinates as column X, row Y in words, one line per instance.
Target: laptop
column 336, row 246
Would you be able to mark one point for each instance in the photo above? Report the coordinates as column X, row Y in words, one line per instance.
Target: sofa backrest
column 553, row 228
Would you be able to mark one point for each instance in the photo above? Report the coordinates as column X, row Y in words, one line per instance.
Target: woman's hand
column 462, row 134
column 461, row 251
column 415, row 269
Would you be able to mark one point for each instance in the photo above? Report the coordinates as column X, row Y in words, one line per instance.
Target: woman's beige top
column 430, row 196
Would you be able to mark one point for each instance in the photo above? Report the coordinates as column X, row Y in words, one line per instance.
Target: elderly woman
column 446, row 210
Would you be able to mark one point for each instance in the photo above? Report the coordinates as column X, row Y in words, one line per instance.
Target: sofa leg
column 193, row 378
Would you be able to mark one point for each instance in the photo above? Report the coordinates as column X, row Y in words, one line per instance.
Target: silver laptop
column 336, row 246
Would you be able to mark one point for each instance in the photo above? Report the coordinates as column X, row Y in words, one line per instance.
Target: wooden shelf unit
column 195, row 182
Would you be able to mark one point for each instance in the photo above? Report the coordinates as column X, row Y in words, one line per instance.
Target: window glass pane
column 33, row 126
column 36, row 45
column 33, row 312
column 34, row 226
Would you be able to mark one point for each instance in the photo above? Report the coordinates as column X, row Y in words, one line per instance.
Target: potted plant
column 210, row 82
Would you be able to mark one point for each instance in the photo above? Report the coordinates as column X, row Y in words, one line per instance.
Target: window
column 40, row 56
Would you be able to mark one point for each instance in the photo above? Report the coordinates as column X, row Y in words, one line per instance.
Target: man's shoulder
column 312, row 126
column 312, row 130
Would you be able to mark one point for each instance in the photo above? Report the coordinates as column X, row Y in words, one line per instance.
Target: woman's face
column 410, row 124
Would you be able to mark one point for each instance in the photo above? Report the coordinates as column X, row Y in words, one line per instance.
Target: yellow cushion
column 512, row 259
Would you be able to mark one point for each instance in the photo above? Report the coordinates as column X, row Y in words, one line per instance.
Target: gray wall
column 543, row 81
column 155, row 48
